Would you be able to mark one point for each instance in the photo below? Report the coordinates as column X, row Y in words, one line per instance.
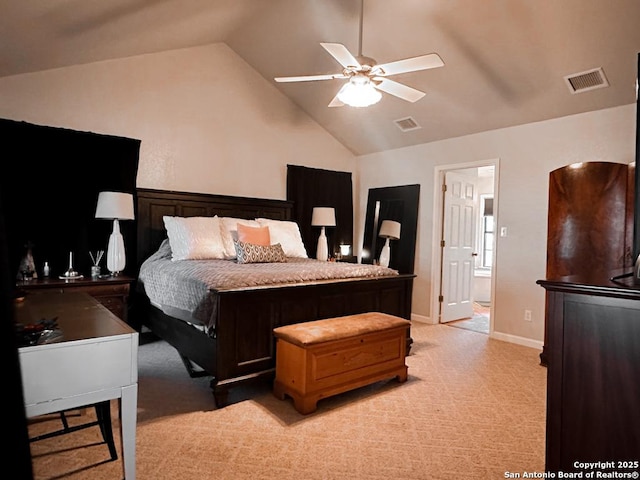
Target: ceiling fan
column 366, row 78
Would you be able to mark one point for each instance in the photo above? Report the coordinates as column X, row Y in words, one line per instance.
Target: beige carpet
column 473, row 408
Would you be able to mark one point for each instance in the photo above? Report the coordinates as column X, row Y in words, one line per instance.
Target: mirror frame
column 398, row 203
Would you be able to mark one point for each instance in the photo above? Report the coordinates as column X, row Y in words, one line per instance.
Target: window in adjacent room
column 486, row 232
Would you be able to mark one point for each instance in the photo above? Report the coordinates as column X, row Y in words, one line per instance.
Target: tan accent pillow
column 250, row 253
column 254, row 235
column 229, row 233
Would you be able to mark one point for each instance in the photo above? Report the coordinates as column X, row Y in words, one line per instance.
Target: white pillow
column 229, row 233
column 194, row 238
column 287, row 234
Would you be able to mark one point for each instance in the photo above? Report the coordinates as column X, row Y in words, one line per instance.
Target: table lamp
column 115, row 206
column 391, row 231
column 323, row 217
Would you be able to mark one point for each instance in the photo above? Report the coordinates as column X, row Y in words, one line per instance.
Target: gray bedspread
column 185, row 289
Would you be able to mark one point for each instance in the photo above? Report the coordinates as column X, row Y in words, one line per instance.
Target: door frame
column 437, row 225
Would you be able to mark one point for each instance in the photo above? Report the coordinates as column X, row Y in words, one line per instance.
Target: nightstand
column 348, row 259
column 112, row 292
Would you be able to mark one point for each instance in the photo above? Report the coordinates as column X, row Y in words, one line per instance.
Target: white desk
column 96, row 360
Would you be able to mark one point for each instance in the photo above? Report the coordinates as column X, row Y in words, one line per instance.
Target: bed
column 229, row 336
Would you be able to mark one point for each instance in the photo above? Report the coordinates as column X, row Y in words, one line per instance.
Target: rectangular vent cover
column 585, row 81
column 407, row 124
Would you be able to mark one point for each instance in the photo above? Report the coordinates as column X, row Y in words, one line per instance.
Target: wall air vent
column 407, row 124
column 585, row 81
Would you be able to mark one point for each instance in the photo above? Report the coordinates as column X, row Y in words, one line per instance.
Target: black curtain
column 17, row 449
column 314, row 187
column 50, row 189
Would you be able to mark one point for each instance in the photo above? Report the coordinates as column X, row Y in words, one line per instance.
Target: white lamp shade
column 323, row 217
column 390, row 229
column 115, row 205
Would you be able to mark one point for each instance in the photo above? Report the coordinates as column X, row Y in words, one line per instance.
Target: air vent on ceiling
column 585, row 81
column 407, row 124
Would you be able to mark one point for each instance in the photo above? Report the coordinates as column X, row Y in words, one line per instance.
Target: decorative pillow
column 250, row 253
column 254, row 235
column 194, row 238
column 229, row 232
column 287, row 234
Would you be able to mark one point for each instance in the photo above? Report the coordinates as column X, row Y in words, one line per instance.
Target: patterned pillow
column 250, row 253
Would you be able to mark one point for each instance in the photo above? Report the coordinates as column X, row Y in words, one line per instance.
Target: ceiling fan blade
column 413, row 64
column 309, row 78
column 398, row 89
column 341, row 54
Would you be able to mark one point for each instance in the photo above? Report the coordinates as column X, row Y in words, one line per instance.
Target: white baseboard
column 526, row 342
column 421, row 319
column 505, row 337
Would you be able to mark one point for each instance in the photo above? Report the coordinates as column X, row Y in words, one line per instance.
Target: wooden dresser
column 593, row 377
column 112, row 292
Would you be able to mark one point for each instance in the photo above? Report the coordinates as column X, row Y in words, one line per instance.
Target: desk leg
column 128, row 421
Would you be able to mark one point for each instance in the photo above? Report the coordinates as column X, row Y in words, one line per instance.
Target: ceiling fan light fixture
column 359, row 92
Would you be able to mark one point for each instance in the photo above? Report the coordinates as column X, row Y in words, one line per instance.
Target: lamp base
column 385, row 254
column 116, row 259
column 322, row 252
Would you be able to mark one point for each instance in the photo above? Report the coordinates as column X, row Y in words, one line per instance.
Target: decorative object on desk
column 323, row 217
column 46, row 270
column 115, row 206
column 71, row 274
column 38, row 333
column 390, row 230
column 27, row 268
column 95, row 266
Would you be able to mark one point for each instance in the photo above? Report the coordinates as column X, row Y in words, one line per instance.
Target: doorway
column 476, row 289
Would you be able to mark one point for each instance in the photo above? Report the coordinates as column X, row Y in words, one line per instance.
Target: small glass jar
column 95, row 271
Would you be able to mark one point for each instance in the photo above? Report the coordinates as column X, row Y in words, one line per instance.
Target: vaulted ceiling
column 505, row 60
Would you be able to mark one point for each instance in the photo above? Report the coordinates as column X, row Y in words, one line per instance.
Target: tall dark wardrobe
column 592, row 322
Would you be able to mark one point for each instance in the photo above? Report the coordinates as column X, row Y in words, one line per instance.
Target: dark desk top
column 55, row 282
column 79, row 316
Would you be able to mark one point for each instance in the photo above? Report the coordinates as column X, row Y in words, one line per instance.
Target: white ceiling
column 505, row 60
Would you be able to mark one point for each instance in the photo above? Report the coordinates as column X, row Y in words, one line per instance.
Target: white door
column 458, row 247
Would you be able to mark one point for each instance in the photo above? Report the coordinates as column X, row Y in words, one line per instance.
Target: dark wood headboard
column 152, row 205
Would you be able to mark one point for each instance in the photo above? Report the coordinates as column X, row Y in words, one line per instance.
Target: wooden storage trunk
column 317, row 359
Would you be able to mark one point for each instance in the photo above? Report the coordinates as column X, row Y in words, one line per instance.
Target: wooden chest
column 315, row 360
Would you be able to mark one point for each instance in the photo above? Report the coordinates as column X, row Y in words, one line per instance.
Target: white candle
column 70, row 259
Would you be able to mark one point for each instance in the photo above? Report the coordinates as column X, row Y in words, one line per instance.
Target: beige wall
column 209, row 123
column 526, row 155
